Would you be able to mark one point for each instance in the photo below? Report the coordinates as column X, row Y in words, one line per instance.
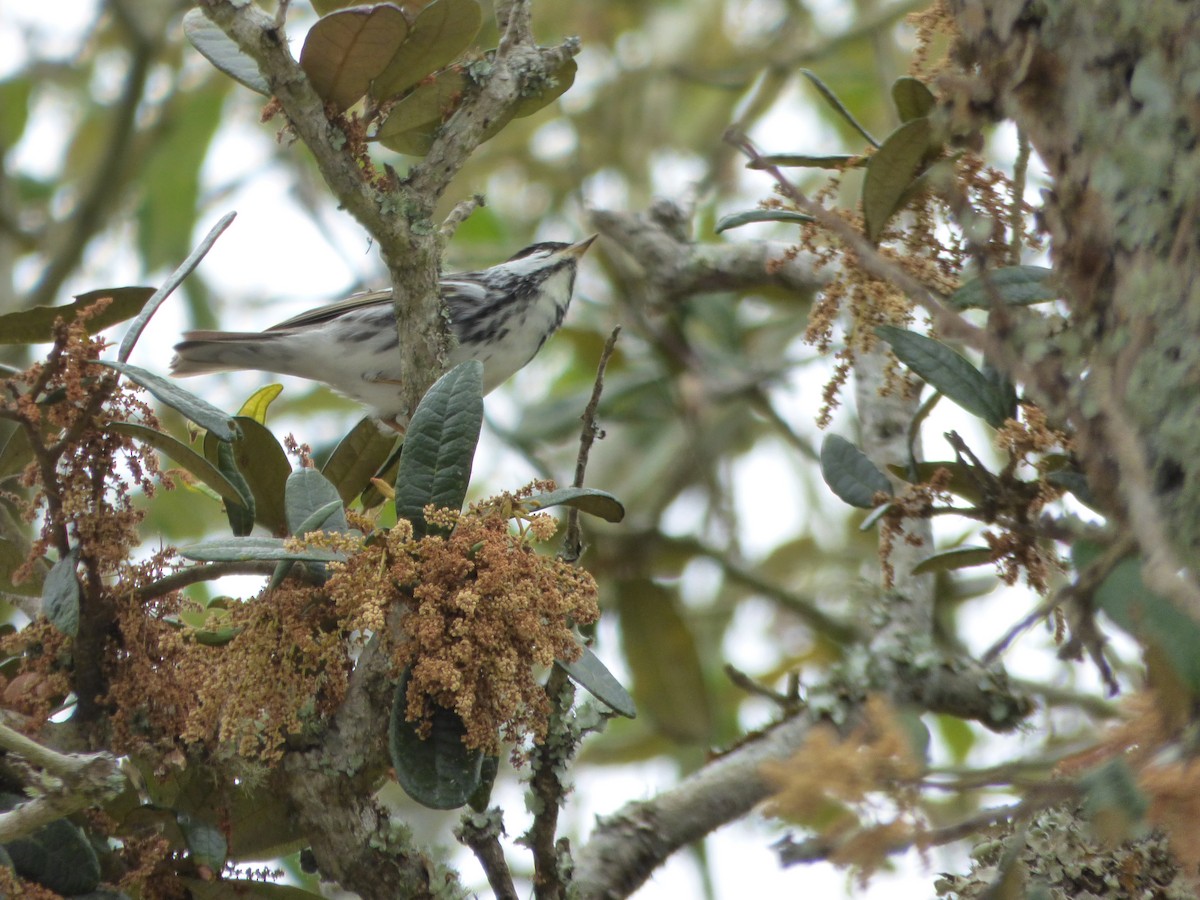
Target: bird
column 501, row 316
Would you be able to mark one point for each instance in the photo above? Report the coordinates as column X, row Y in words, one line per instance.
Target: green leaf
column 949, row 372
column 440, row 772
column 440, row 33
column 205, row 842
column 256, row 405
column 346, row 50
column 1169, row 634
column 1011, row 286
column 239, row 512
column 57, row 856
column 554, row 85
column 850, row 474
column 439, row 446
column 593, row 676
column 184, row 456
column 1077, row 484
column 357, row 458
column 912, row 98
column 215, row 46
column 263, row 463
column 584, row 499
column 217, row 422
column 965, row 480
column 413, row 122
column 60, row 595
column 808, row 161
column 892, row 170
column 749, row 216
column 36, row 325
column 254, row 548
column 312, row 503
column 958, row 558
column 660, row 647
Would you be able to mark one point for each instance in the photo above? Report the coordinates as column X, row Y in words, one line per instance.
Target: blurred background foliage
column 121, row 145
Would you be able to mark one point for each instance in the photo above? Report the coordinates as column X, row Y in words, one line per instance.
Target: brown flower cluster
column 277, row 667
column 482, row 612
column 84, row 471
column 830, row 782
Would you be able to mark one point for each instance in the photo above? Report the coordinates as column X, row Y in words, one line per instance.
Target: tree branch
column 629, row 845
column 76, row 782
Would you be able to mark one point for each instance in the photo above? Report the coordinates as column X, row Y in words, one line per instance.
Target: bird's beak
column 579, row 248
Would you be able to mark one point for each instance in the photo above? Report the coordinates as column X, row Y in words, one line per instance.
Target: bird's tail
column 201, row 352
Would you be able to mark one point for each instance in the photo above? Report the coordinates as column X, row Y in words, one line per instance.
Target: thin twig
column 1016, row 212
column 549, row 763
column 481, row 833
column 573, row 542
column 461, row 212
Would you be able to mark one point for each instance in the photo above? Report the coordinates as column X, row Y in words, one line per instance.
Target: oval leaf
column 958, row 558
column 312, row 502
column 912, row 98
column 440, row 772
column 441, row 32
column 593, row 676
column 749, row 216
column 183, row 455
column 345, row 50
column 357, row 458
column 850, row 474
column 60, row 595
column 439, row 446
column 36, row 325
column 965, row 481
column 891, row 170
column 413, row 122
column 263, row 463
column 217, row 47
column 1011, row 286
column 239, row 512
column 588, row 500
column 947, row 371
column 205, row 842
column 215, row 421
column 554, row 86
column 250, row 549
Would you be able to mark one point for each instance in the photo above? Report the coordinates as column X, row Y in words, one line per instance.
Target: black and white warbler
column 502, row 316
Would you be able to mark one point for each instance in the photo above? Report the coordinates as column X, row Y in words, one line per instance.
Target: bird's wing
column 457, row 290
column 333, row 310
